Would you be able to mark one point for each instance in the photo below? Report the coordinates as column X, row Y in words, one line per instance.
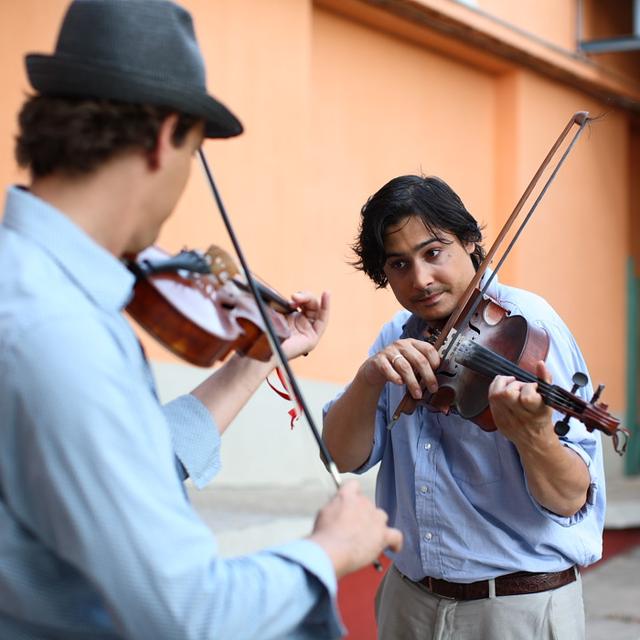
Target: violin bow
column 274, row 343
column 579, row 119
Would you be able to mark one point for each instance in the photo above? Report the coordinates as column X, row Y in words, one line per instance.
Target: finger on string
column 530, row 399
column 500, row 383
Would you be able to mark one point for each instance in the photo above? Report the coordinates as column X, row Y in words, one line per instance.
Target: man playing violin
column 495, row 523
column 97, row 539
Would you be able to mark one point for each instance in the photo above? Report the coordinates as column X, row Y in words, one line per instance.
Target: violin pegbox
column 619, row 435
column 579, row 380
column 221, row 264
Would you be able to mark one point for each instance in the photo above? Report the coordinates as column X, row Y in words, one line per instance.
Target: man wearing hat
column 96, row 537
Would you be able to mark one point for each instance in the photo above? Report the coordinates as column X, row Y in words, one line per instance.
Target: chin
column 433, row 313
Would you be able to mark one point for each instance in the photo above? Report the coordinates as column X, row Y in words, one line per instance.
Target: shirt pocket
column 473, row 455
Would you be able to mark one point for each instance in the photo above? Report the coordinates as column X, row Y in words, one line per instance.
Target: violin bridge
column 448, row 343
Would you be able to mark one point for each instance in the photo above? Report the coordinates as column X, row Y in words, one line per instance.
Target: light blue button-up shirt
column 97, row 539
column 459, row 493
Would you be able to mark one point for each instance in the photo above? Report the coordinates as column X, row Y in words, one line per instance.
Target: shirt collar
column 96, row 271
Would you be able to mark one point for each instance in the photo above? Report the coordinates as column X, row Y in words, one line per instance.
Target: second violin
column 197, row 306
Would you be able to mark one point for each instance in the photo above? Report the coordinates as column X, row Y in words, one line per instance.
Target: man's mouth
column 429, row 298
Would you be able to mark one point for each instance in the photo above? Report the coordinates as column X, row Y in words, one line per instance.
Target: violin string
column 551, row 393
column 495, row 364
column 562, row 399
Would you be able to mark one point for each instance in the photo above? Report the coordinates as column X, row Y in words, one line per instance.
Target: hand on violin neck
column 307, row 323
column 556, row 475
column 519, row 411
column 408, row 361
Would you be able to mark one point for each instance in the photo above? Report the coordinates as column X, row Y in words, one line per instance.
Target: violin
column 198, row 306
column 480, row 340
column 492, row 343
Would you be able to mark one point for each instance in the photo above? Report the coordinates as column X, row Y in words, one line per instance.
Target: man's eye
column 398, row 265
column 433, row 253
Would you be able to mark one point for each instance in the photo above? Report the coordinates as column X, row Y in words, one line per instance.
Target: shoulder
column 564, row 357
column 532, row 306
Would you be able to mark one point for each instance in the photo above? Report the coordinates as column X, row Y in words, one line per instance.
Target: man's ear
column 157, row 155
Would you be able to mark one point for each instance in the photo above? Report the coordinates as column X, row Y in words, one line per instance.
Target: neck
column 105, row 204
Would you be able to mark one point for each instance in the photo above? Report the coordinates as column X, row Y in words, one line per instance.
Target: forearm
column 228, row 389
column 349, row 425
column 557, row 477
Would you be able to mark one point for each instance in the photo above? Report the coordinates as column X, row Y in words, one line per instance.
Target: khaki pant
column 407, row 611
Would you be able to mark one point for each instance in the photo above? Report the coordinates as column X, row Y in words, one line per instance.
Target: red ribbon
column 294, row 412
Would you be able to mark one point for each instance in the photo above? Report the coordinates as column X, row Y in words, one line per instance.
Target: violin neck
column 484, row 361
column 268, row 295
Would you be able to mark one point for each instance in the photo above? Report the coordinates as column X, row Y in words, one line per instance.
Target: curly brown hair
column 74, row 136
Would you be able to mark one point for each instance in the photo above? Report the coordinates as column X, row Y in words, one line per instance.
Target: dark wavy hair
column 428, row 198
column 74, row 136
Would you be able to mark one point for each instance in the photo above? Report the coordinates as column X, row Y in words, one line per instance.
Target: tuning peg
column 579, row 380
column 596, row 395
column 562, row 426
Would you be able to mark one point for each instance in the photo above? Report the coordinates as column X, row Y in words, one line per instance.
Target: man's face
column 427, row 275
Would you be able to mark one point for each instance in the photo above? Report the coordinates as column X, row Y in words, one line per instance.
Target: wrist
column 368, row 376
column 335, row 551
column 541, row 445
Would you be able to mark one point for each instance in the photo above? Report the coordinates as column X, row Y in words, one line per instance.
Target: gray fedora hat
column 136, row 51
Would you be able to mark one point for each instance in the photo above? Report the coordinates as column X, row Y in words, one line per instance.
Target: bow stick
column 274, row 343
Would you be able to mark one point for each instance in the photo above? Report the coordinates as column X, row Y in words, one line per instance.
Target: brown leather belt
column 510, row 584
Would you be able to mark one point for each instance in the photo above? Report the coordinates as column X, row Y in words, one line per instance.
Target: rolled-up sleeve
column 195, row 437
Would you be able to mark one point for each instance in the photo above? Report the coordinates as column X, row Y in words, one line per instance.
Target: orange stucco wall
column 334, row 107
column 534, row 18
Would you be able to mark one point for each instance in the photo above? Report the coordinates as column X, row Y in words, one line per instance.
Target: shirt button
column 428, row 537
column 427, row 446
column 424, row 489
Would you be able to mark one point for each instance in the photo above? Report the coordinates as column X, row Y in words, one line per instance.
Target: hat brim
column 62, row 75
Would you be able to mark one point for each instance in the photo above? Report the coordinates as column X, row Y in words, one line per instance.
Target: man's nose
column 422, row 275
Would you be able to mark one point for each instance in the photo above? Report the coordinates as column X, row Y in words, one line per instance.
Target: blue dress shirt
column 459, row 493
column 97, row 539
